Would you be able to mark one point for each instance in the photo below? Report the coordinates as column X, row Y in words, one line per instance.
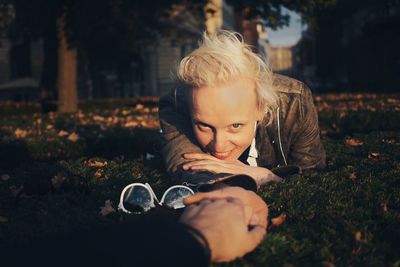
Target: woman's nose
column 219, row 142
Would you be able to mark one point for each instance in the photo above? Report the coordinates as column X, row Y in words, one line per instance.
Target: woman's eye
column 203, row 127
column 236, row 125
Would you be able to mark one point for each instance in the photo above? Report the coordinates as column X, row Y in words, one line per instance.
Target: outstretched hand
column 202, row 161
column 224, row 222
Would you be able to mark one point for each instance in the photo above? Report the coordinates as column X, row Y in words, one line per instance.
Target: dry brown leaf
column 374, row 155
column 107, row 208
column 49, row 126
column 5, row 177
column 63, row 133
column 278, row 220
column 354, row 142
column 98, row 118
column 385, row 206
column 131, row 124
column 358, row 237
column 139, row 106
column 19, row 133
column 95, row 163
column 98, row 173
column 73, row 137
column 390, row 142
column 353, row 176
column 125, row 112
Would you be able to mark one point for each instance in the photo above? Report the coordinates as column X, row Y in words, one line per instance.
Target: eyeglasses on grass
column 138, row 197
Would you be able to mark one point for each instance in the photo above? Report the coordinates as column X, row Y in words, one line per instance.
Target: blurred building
column 150, row 71
column 281, row 58
column 20, row 69
column 181, row 36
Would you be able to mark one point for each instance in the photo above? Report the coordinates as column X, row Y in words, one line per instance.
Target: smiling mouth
column 221, row 155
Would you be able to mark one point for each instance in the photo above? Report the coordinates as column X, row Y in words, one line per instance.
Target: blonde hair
column 222, row 56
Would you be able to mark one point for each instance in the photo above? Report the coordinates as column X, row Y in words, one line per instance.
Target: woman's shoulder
column 284, row 85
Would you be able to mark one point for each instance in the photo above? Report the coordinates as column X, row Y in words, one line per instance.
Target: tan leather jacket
column 291, row 139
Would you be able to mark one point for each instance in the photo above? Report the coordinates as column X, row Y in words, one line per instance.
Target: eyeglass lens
column 137, row 199
column 174, row 197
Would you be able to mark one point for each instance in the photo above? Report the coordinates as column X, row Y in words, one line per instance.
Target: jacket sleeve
column 306, row 149
column 177, row 130
column 146, row 241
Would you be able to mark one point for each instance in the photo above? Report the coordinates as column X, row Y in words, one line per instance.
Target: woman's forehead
column 231, row 101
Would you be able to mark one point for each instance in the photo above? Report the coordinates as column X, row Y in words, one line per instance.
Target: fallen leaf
column 95, row 163
column 98, row 118
column 107, row 208
column 390, row 141
column 385, row 206
column 62, row 133
column 358, row 237
column 125, row 112
column 374, row 155
column 5, row 177
column 353, row 176
column 3, row 219
column 19, row 133
column 58, row 180
column 98, row 173
column 278, row 220
column 73, row 137
column 49, row 126
column 131, row 124
column 354, row 142
column 139, row 106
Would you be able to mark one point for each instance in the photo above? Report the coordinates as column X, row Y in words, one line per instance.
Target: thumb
column 194, row 198
column 255, row 236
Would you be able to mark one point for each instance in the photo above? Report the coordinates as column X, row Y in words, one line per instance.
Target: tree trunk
column 67, row 72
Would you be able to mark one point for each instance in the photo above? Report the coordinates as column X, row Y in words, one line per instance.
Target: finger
column 197, row 198
column 255, row 236
column 196, row 162
column 213, row 167
column 206, row 201
column 200, row 162
column 198, row 156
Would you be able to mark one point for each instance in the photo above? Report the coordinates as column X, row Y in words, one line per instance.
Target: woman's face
column 224, row 117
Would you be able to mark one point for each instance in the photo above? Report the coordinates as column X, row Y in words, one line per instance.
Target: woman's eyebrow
column 197, row 121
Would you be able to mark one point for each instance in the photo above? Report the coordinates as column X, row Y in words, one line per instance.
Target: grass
column 57, row 171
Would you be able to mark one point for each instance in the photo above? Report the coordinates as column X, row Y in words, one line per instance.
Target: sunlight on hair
column 224, row 56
